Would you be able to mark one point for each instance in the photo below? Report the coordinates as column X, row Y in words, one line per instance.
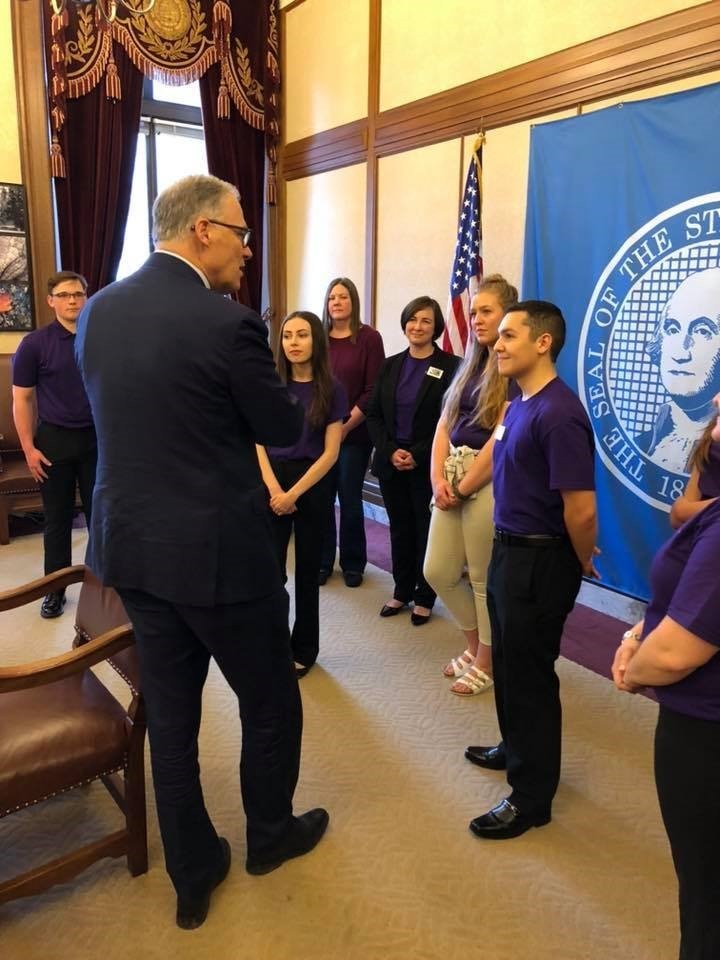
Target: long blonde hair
column 480, row 364
column 700, row 456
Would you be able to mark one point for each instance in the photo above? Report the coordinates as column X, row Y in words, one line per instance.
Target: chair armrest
column 9, row 599
column 27, row 675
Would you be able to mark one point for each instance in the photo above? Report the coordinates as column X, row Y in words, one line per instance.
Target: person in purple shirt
column 674, row 651
column 402, row 415
column 545, row 532
column 356, row 355
column 61, row 449
column 704, row 483
column 297, row 477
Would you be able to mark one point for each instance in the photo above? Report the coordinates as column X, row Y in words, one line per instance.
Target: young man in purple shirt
column 61, row 450
column 545, row 532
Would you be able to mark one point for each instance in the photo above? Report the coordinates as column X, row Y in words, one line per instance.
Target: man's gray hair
column 178, row 207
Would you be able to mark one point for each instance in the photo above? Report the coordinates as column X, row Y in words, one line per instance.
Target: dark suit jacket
column 182, row 384
column 381, row 409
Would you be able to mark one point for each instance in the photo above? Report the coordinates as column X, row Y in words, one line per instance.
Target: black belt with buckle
column 528, row 539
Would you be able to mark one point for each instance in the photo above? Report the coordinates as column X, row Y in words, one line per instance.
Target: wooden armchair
column 61, row 728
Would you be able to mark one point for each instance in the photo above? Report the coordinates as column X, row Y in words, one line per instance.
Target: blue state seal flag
column 623, row 233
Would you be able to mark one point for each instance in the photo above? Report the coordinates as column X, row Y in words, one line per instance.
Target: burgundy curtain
column 98, row 141
column 236, row 153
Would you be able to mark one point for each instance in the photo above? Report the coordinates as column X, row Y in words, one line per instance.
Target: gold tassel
column 271, row 190
column 112, row 81
column 223, row 102
column 57, row 161
column 222, row 22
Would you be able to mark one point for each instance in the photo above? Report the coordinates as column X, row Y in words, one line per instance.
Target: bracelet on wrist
column 456, row 491
column 631, row 635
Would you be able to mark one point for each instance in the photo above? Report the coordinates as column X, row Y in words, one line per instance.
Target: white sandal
column 474, row 680
column 458, row 665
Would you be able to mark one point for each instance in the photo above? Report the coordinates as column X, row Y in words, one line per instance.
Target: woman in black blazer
column 402, row 415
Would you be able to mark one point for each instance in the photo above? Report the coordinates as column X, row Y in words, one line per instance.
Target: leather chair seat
column 56, row 737
column 15, row 476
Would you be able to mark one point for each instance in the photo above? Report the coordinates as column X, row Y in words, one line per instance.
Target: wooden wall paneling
column 372, row 161
column 34, row 146
column 339, row 147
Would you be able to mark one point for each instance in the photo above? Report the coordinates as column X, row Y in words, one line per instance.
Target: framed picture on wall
column 16, row 302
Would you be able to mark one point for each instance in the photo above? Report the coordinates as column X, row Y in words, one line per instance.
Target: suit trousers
column 346, row 480
column 531, row 590
column 307, row 523
column 407, row 495
column 73, row 454
column 250, row 643
column 687, row 776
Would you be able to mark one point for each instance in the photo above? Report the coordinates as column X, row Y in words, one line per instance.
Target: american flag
column 467, row 268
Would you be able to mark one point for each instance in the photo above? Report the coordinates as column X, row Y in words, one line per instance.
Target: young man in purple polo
column 545, row 533
column 61, row 449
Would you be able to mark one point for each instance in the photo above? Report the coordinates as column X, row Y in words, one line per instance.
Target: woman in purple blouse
column 297, row 477
column 674, row 650
column 704, row 483
column 356, row 355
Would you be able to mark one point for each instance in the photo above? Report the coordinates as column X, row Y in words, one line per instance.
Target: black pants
column 73, row 454
column 346, row 481
column 531, row 590
column 249, row 642
column 407, row 495
column 687, row 776
column 307, row 522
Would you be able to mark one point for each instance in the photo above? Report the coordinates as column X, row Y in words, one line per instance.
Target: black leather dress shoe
column 505, row 821
column 352, row 578
column 492, row 758
column 192, row 911
column 388, row 611
column 52, row 605
column 305, row 833
column 323, row 576
column 419, row 619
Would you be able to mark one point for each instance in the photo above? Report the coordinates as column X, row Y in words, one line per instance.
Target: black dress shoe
column 192, row 911
column 388, row 611
column 352, row 578
column 301, row 669
column 419, row 619
column 323, row 576
column 492, row 758
column 52, row 605
column 505, row 821
column 305, row 833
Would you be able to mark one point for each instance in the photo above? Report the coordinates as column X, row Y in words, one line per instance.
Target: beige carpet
column 398, row 875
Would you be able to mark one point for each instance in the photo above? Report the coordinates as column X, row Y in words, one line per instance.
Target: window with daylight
column 171, row 145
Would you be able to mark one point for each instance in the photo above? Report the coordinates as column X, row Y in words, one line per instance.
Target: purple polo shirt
column 546, row 446
column 465, row 432
column 709, row 474
column 685, row 587
column 312, row 441
column 411, row 376
column 45, row 360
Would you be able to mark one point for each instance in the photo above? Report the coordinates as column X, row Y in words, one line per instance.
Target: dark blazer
column 381, row 409
column 182, row 384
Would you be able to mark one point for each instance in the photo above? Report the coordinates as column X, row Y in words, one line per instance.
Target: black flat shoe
column 304, row 833
column 492, row 758
column 352, row 578
column 192, row 911
column 323, row 576
column 52, row 606
column 505, row 821
column 419, row 619
column 301, row 669
column 388, row 611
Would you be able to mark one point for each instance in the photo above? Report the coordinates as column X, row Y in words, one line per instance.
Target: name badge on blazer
column 500, row 431
column 435, row 372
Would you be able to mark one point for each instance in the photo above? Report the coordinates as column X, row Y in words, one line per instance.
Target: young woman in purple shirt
column 704, row 483
column 461, row 525
column 356, row 355
column 675, row 651
column 297, row 477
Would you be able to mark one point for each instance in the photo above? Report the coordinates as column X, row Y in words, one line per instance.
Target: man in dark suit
column 182, row 385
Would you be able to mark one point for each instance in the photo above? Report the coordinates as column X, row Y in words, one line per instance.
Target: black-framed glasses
column 244, row 233
column 74, row 295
